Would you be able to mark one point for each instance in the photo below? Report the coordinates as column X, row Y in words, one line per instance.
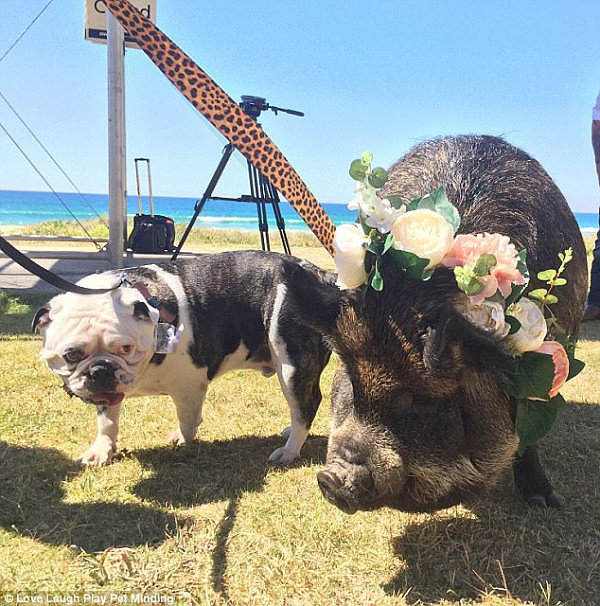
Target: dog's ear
column 41, row 318
column 141, row 311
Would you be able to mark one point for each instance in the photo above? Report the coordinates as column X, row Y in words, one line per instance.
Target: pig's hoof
column 282, row 456
column 552, row 499
column 286, row 431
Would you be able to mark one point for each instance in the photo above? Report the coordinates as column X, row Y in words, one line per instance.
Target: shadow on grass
column 590, row 331
column 17, row 310
column 32, row 496
column 204, row 472
column 32, row 505
column 508, row 549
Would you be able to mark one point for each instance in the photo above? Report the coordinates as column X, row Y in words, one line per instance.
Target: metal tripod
column 262, row 193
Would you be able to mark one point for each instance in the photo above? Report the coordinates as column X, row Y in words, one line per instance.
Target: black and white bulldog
column 172, row 328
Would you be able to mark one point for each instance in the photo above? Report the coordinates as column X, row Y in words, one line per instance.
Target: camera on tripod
column 253, row 106
column 262, row 191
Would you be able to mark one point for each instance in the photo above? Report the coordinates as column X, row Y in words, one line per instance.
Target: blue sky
column 378, row 76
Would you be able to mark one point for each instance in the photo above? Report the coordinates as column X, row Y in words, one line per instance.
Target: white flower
column 378, row 213
column 489, row 316
column 533, row 328
column 359, row 193
column 349, row 256
column 381, row 215
column 424, row 233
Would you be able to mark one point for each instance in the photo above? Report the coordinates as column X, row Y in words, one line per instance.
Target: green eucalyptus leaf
column 560, row 282
column 566, row 256
column 413, row 204
column 551, row 299
column 467, row 280
column 396, row 201
column 389, row 242
column 427, row 202
column 539, row 294
column 376, row 279
column 546, row 276
column 366, row 158
column 444, row 207
column 535, row 419
column 484, row 264
column 378, row 177
column 375, row 247
column 357, row 170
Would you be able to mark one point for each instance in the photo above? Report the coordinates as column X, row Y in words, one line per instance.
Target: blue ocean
column 28, row 207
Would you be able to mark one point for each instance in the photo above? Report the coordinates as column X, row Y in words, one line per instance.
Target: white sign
column 95, row 19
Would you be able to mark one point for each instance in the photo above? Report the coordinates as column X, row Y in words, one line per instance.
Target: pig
column 420, row 419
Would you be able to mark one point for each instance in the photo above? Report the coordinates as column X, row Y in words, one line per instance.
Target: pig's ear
column 454, row 343
column 41, row 318
column 313, row 297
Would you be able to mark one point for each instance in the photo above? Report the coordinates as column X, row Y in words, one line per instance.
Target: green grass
column 213, row 523
column 199, row 236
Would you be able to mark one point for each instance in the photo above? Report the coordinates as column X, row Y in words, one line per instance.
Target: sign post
column 103, row 28
column 96, row 20
column 117, row 179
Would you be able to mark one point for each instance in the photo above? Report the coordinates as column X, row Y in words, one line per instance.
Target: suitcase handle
column 137, row 180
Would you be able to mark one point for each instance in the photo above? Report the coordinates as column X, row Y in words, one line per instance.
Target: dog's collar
column 164, row 315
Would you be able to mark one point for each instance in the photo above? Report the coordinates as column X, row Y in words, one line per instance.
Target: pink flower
column 490, row 286
column 561, row 365
column 467, row 248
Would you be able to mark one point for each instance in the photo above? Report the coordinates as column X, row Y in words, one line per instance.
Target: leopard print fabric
column 226, row 115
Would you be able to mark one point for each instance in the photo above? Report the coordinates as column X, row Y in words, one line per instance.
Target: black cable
column 26, row 30
column 50, row 187
column 14, row 111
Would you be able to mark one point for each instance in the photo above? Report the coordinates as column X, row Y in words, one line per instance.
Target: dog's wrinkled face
column 98, row 344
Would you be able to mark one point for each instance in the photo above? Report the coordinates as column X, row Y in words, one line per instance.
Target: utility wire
column 26, row 30
column 50, row 186
column 14, row 111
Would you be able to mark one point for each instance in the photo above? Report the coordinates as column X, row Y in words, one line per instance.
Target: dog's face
column 98, row 344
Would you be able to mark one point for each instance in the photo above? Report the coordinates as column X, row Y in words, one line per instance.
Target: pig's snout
column 349, row 488
column 331, row 486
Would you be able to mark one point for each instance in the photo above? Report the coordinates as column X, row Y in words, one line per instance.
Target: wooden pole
column 117, row 179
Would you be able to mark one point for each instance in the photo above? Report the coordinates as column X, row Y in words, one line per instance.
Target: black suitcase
column 151, row 233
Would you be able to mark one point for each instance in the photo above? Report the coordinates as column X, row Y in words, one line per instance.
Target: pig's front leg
column 532, row 482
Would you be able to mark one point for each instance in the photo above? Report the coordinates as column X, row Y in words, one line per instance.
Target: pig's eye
column 73, row 356
column 125, row 350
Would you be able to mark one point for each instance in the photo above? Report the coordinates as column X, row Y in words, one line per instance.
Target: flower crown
column 420, row 235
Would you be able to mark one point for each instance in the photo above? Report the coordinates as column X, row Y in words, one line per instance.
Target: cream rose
column 349, row 256
column 424, row 233
column 533, row 328
column 489, row 316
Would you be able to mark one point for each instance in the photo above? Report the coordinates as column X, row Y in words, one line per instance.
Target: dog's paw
column 100, row 453
column 283, row 456
column 176, row 438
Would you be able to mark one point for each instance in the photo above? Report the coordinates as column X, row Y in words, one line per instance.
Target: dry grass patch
column 213, row 523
